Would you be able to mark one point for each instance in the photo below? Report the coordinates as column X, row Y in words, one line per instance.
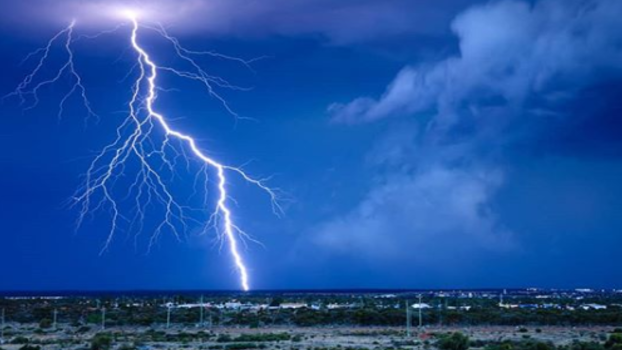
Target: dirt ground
column 373, row 338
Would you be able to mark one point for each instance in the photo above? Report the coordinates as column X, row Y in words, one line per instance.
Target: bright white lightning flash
column 146, row 135
column 28, row 89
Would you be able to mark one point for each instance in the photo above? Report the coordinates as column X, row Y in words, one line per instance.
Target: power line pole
column 440, row 312
column 408, row 320
column 420, row 308
column 201, row 308
column 103, row 318
column 444, row 309
column 55, row 317
column 2, row 330
column 168, row 317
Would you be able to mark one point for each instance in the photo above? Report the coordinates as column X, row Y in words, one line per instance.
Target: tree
column 45, row 323
column 453, row 341
column 614, row 341
column 128, row 347
column 101, row 341
column 277, row 301
column 20, row 340
column 580, row 345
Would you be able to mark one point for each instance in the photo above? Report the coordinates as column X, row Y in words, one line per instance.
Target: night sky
column 445, row 144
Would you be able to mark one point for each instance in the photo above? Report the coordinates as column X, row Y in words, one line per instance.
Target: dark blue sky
column 460, row 144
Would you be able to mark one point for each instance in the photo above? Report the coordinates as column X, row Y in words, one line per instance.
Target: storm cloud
column 420, row 201
column 340, row 22
column 519, row 65
column 508, row 51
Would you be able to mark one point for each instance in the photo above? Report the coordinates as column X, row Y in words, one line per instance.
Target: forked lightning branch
column 147, row 138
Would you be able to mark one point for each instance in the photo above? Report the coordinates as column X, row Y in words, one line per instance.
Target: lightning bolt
column 28, row 89
column 148, row 137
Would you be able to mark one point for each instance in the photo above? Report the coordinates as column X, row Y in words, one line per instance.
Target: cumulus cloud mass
column 508, row 50
column 514, row 58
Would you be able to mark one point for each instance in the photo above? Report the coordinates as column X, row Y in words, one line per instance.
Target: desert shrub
column 580, row 345
column 262, row 337
column 453, row 341
column 614, row 341
column 30, row 347
column 101, row 341
column 223, row 338
column 240, row 346
column 45, row 323
column 523, row 345
column 127, row 347
column 478, row 343
column 83, row 329
column 20, row 340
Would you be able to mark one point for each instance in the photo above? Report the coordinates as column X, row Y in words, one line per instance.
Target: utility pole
column 201, row 309
column 54, row 318
column 440, row 312
column 408, row 320
column 103, row 318
column 168, row 317
column 444, row 309
column 420, row 308
column 2, row 330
